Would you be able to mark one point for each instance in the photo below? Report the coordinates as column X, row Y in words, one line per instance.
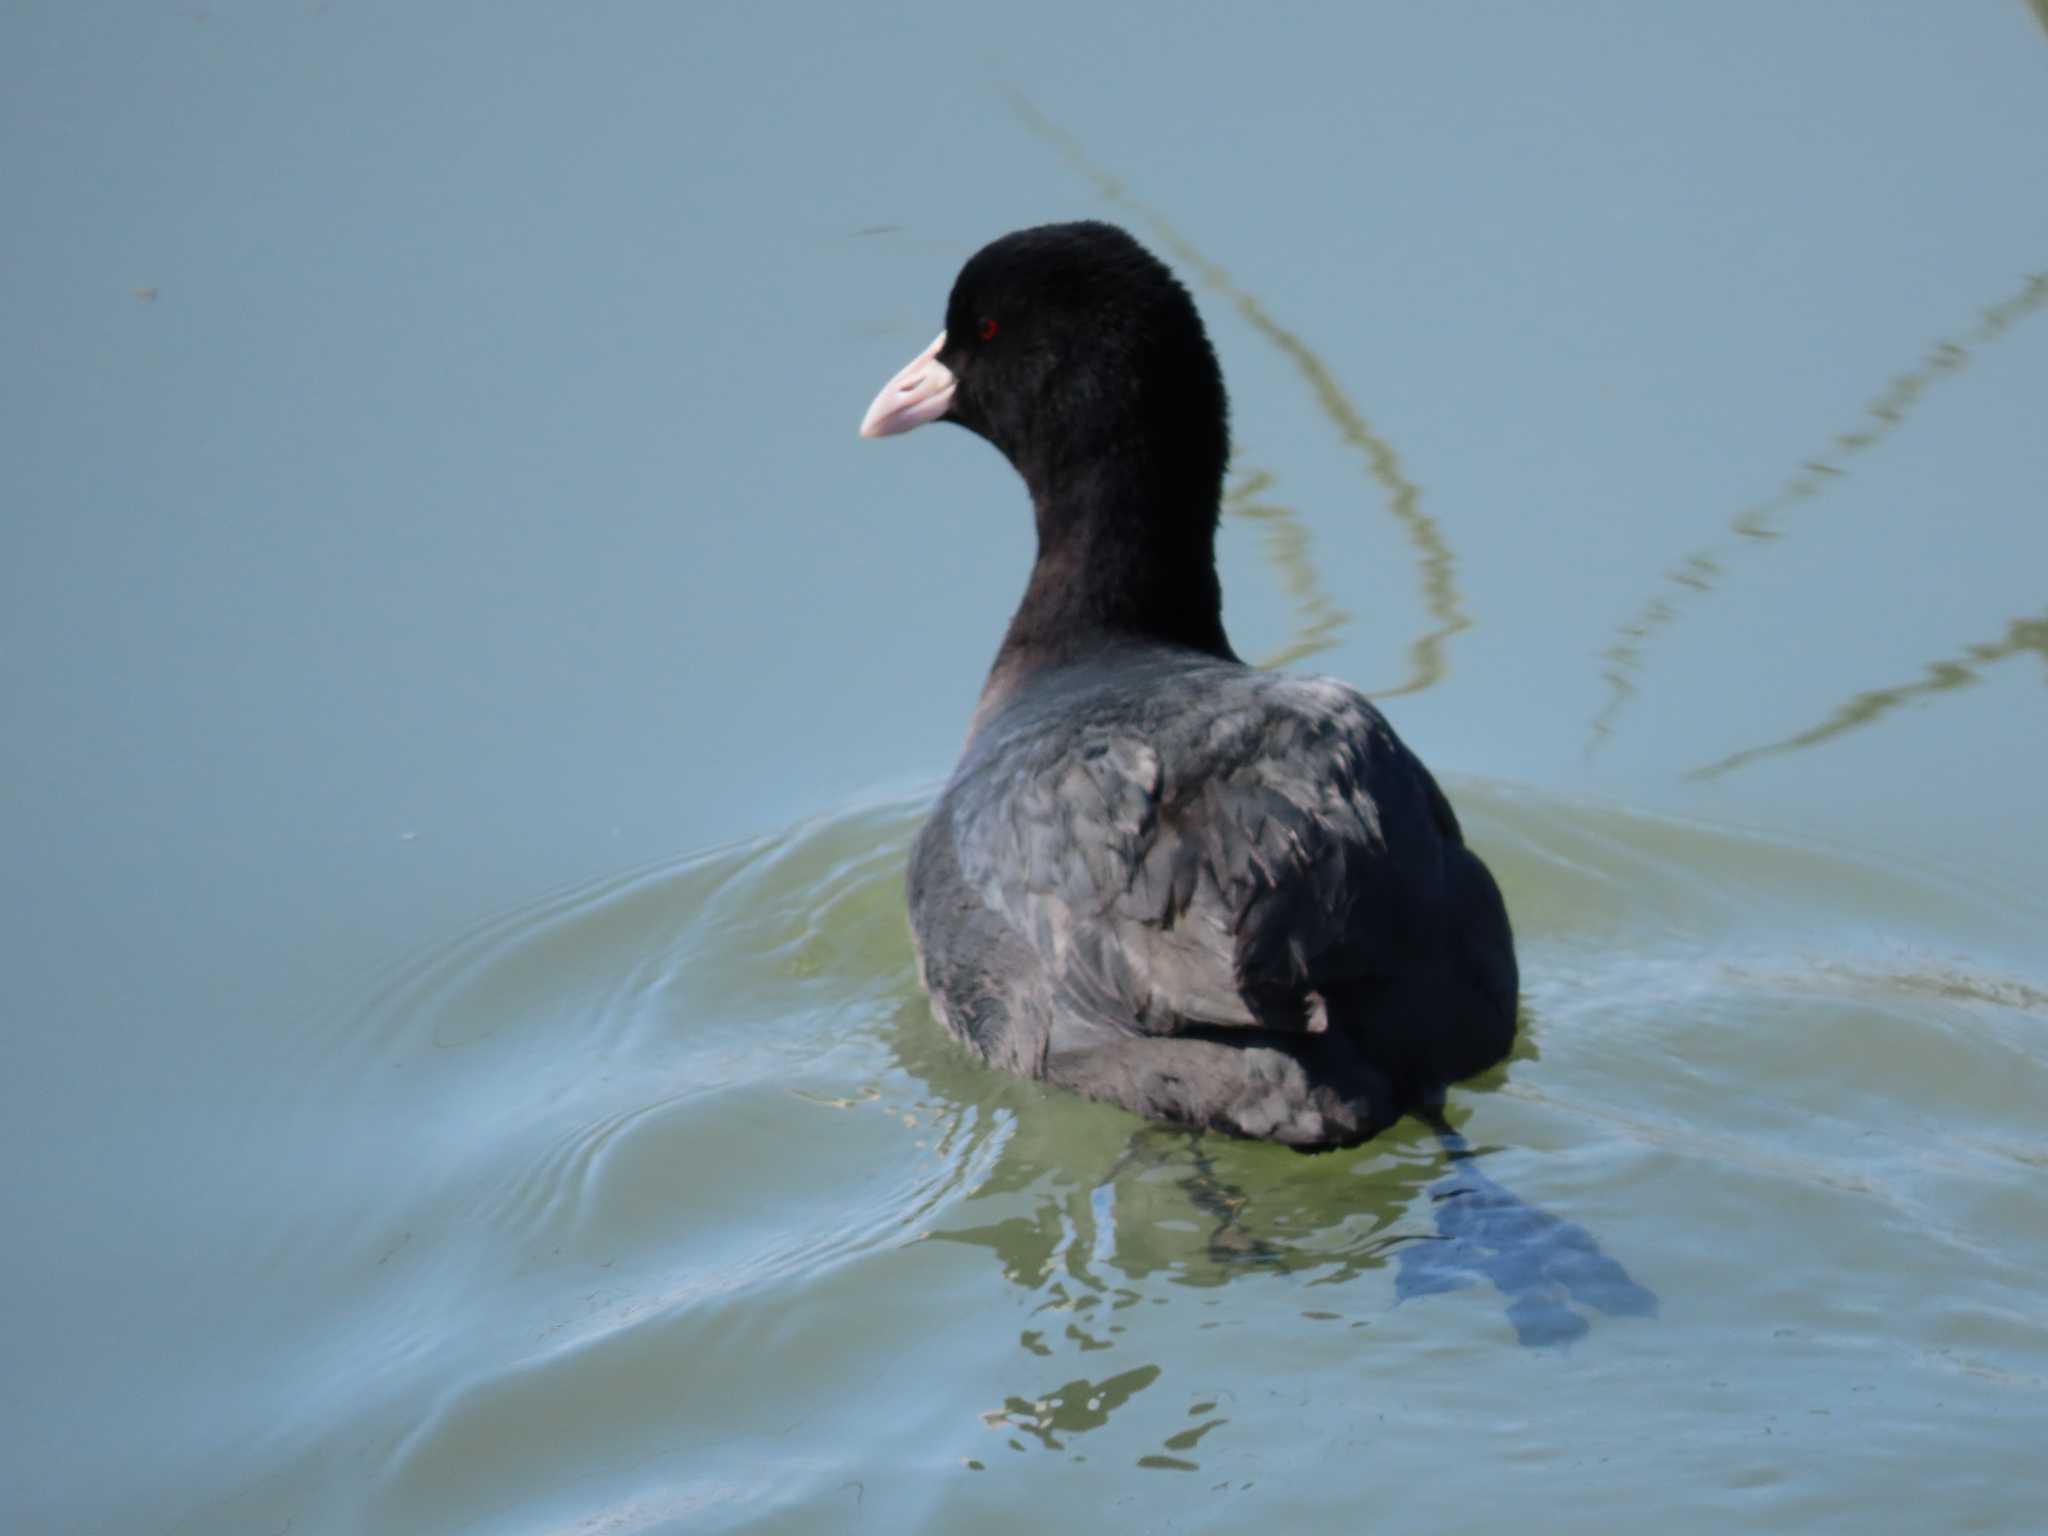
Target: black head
column 1076, row 352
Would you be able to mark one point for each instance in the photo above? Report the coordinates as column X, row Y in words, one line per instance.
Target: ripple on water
column 647, row 1172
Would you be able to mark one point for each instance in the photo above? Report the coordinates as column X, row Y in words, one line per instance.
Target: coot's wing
column 1207, row 854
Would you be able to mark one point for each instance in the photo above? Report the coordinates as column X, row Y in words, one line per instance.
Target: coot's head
column 1076, row 352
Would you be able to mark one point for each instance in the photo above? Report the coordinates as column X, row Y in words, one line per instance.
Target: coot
column 1217, row 896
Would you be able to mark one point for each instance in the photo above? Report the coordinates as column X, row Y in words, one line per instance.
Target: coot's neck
column 1126, row 557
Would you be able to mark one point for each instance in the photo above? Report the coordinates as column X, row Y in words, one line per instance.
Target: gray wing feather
column 1169, row 870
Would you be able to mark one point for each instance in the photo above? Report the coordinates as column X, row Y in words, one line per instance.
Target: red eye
column 986, row 330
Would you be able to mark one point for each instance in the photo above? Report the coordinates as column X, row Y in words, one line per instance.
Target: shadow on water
column 1702, row 570
column 1539, row 1262
column 2029, row 634
column 1441, row 598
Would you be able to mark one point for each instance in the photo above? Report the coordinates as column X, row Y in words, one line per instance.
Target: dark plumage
column 1216, row 896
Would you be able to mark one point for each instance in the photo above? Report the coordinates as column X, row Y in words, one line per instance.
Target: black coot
column 1217, row 896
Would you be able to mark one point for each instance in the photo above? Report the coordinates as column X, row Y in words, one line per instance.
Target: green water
column 704, row 1224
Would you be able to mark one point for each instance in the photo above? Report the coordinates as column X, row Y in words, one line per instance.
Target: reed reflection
column 1288, row 545
column 1760, row 523
column 1946, row 676
column 1437, row 567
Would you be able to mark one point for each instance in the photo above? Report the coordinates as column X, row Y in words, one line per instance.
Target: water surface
column 467, row 694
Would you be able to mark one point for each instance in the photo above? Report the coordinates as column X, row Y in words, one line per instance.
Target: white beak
column 922, row 392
